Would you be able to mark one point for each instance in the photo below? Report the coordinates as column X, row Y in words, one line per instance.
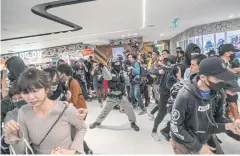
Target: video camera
column 172, row 69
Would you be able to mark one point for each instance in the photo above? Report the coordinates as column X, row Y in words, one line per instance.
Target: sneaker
column 144, row 111
column 89, row 100
column 151, row 116
column 121, row 110
column 156, row 137
column 94, row 125
column 166, row 135
column 135, row 107
column 101, row 105
column 134, row 126
column 90, row 152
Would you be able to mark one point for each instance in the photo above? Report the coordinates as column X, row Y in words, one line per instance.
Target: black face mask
column 117, row 67
column 232, row 57
column 233, row 98
column 215, row 86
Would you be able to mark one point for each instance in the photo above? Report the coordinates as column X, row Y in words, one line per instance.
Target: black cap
column 227, row 47
column 232, row 86
column 213, row 66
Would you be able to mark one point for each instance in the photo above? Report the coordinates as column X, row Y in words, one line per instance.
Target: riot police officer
column 116, row 96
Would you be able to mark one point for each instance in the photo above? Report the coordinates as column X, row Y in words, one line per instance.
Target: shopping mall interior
column 42, row 32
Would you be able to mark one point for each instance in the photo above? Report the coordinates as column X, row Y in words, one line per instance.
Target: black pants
column 162, row 111
column 167, row 128
column 145, row 93
column 155, row 109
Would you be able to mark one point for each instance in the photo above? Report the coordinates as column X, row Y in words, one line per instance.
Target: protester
column 192, row 118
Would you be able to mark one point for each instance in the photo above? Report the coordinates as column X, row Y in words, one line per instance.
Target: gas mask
column 117, row 66
column 215, row 86
column 10, row 77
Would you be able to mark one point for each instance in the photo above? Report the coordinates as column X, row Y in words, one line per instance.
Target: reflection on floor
column 115, row 135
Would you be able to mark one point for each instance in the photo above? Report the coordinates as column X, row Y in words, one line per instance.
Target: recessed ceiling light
column 231, row 16
column 149, row 26
column 135, row 34
column 162, row 34
column 123, row 35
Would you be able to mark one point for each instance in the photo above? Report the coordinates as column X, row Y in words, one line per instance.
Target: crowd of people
column 45, row 110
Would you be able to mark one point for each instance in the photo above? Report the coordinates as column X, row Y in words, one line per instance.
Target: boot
column 134, row 126
column 94, row 125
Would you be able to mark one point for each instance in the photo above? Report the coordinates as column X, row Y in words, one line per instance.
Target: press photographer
column 98, row 82
column 135, row 80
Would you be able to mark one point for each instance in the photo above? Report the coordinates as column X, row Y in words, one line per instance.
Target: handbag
column 31, row 148
column 28, row 150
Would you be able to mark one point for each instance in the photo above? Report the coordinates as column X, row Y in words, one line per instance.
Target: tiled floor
column 116, row 137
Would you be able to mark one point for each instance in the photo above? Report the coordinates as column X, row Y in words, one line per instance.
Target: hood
column 187, row 54
column 171, row 58
column 192, row 88
column 16, row 66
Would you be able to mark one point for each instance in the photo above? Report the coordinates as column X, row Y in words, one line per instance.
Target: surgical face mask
column 215, row 86
column 54, row 85
column 54, row 88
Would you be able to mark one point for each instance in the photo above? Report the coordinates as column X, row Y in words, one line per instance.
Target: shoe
column 134, row 126
column 135, row 107
column 166, row 135
column 101, row 105
column 94, row 125
column 144, row 111
column 151, row 116
column 90, row 152
column 121, row 110
column 156, row 137
column 89, row 100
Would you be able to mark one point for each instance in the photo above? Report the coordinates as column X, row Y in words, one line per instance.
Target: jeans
column 136, row 94
column 99, row 91
column 162, row 111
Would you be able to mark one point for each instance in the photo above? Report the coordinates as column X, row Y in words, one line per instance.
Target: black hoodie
column 189, row 49
column 194, row 119
column 16, row 66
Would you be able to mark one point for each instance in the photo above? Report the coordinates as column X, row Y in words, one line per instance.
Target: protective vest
column 118, row 81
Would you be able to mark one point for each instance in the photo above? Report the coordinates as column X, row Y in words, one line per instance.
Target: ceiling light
column 150, row 26
column 129, row 34
column 123, row 35
column 144, row 13
column 231, row 16
column 135, row 34
column 162, row 34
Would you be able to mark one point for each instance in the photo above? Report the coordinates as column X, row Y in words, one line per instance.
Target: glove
column 101, row 65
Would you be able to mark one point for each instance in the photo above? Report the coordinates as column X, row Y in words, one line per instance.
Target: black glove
column 101, row 65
